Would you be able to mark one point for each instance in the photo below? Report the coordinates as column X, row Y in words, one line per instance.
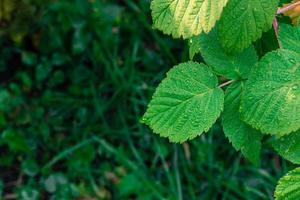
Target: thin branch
column 287, row 8
column 226, row 83
column 275, row 26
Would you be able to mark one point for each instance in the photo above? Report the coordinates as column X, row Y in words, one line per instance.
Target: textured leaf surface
column 243, row 22
column 271, row 99
column 289, row 147
column 243, row 137
column 186, row 103
column 288, row 187
column 289, row 37
column 186, row 17
column 231, row 66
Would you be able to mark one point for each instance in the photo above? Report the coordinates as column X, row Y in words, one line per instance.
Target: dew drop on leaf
column 295, row 87
column 292, row 60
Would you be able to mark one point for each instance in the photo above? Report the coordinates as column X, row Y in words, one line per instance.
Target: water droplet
column 267, row 86
column 243, row 8
column 295, row 87
column 292, row 60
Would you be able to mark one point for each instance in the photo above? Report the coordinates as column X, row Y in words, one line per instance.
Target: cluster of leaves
column 71, row 93
column 263, row 98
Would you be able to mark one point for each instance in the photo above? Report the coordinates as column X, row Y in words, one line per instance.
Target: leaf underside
column 186, row 17
column 243, row 137
column 271, row 98
column 244, row 21
column 288, row 187
column 186, row 103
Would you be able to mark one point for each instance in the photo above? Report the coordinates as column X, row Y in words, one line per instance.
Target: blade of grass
column 177, row 173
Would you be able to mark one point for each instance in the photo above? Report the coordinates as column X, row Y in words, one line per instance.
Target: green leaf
column 15, row 140
column 194, row 46
column 271, row 99
column 186, row 17
column 240, row 134
column 289, row 147
column 129, row 184
column 289, row 37
column 288, row 187
column 244, row 21
column 231, row 66
column 30, row 167
column 186, row 103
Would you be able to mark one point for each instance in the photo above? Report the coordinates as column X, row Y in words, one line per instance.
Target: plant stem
column 275, row 27
column 287, row 8
column 226, row 83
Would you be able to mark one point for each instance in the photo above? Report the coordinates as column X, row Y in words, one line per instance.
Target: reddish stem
column 287, row 8
column 275, row 26
column 281, row 11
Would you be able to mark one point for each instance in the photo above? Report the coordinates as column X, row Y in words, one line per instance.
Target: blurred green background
column 76, row 76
